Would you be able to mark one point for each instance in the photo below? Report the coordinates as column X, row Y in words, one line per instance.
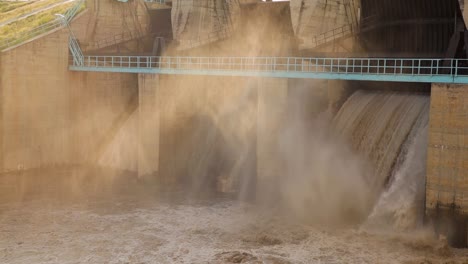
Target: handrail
column 44, row 28
column 24, row 36
column 156, row 1
column 340, row 68
column 70, row 13
column 329, row 36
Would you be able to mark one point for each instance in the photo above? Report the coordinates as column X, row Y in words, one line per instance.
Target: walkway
column 362, row 69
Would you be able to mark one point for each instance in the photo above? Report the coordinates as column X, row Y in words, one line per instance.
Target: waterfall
column 377, row 124
column 401, row 206
column 390, row 131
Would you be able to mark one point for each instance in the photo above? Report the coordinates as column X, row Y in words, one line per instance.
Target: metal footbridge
column 420, row 70
column 359, row 69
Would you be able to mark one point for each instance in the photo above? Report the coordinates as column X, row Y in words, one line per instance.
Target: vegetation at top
column 13, row 9
column 20, row 30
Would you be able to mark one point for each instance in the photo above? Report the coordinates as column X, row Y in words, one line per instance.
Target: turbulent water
column 401, row 206
column 377, row 125
column 121, row 220
column 96, row 216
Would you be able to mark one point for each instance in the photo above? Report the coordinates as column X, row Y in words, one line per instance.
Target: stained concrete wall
column 34, row 96
column 50, row 115
column 447, row 165
column 312, row 18
column 199, row 22
column 108, row 18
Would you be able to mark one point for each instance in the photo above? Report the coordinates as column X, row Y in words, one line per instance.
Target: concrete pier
column 272, row 112
column 447, row 165
column 148, row 124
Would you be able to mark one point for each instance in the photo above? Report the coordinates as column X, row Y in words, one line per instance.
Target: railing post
column 451, row 67
column 419, row 67
column 456, row 67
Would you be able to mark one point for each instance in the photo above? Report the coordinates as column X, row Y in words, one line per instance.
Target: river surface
column 122, row 220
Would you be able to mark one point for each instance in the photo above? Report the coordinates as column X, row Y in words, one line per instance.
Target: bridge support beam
column 148, row 124
column 271, row 114
column 447, row 165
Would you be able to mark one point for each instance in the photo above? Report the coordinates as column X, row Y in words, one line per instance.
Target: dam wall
column 216, row 133
column 52, row 116
column 109, row 18
column 447, row 162
column 447, row 165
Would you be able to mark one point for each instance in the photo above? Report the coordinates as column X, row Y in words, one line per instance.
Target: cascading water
column 390, row 131
column 401, row 206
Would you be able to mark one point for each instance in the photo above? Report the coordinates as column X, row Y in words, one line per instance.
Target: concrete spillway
column 383, row 127
column 377, row 125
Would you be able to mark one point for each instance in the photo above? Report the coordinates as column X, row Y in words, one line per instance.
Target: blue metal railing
column 156, row 1
column 70, row 14
column 24, row 36
column 44, row 28
column 370, row 69
column 74, row 46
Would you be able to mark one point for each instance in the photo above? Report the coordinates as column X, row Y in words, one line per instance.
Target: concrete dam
column 236, row 131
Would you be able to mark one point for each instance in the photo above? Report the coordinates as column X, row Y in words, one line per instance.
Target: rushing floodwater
column 77, row 215
column 126, row 223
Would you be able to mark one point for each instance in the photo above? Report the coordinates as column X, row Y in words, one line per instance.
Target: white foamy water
column 401, row 206
column 125, row 231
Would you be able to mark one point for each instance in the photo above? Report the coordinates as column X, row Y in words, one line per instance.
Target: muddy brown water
column 63, row 216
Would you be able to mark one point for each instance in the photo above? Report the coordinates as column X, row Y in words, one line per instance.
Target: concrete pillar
column 2, row 125
column 148, row 147
column 447, row 164
column 338, row 92
column 271, row 113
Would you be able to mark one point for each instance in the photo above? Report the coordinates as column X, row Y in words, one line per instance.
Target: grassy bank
column 15, row 32
column 6, row 6
column 11, row 10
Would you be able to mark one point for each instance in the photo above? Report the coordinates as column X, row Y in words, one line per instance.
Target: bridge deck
column 364, row 69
